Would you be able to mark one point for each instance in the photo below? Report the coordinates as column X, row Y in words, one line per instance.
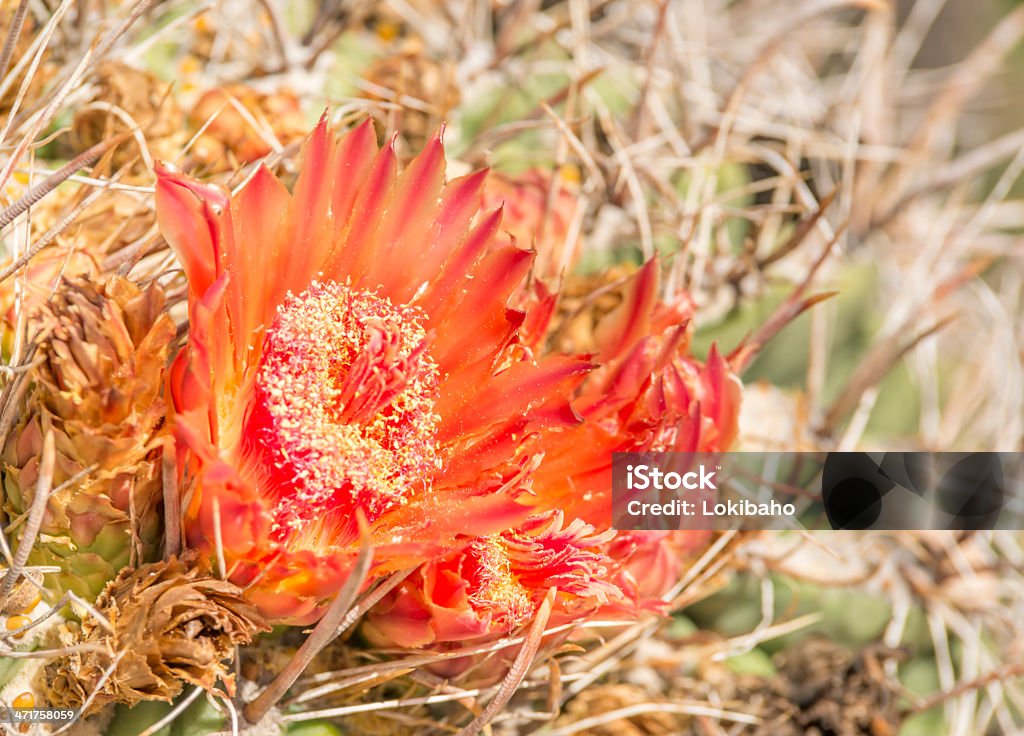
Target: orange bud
column 25, row 700
column 203, row 24
column 388, row 30
column 16, row 622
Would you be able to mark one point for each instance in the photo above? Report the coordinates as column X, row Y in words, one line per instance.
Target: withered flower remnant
column 173, row 623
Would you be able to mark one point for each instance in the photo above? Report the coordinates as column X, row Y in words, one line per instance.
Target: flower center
column 344, row 412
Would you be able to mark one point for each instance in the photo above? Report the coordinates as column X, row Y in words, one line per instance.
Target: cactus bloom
column 648, row 395
column 354, row 367
column 351, row 356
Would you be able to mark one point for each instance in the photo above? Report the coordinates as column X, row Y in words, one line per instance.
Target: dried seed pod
column 173, row 623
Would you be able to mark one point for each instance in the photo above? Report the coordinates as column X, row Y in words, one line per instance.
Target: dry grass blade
column 803, row 229
column 54, row 653
column 789, row 310
column 965, row 168
column 40, row 190
column 873, row 369
column 49, row 112
column 351, row 617
column 1003, row 673
column 364, row 681
column 59, row 227
column 11, row 120
column 14, row 392
column 172, row 501
column 277, row 32
column 137, row 11
column 518, row 671
column 793, row 23
column 418, row 660
column 683, row 709
column 598, row 662
column 637, row 122
column 172, row 715
column 348, row 710
column 745, row 642
column 12, row 36
column 968, row 79
column 325, row 632
column 502, row 56
column 371, row 599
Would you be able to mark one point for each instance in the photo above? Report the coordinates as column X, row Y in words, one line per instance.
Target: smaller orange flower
column 497, row 584
column 653, row 561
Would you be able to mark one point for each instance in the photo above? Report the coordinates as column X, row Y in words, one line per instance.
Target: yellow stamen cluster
column 345, row 405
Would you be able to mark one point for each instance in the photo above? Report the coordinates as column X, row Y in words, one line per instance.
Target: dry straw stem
column 53, row 653
column 884, row 356
column 381, row 705
column 172, row 501
column 44, row 118
column 12, row 121
column 684, row 709
column 963, row 169
column 17, row 20
column 364, row 681
column 172, row 715
column 986, row 59
column 324, row 684
column 62, row 224
column 804, row 227
column 324, row 633
column 14, row 392
column 51, row 182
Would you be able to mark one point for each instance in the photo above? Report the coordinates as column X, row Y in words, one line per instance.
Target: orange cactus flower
column 497, row 583
column 351, row 356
